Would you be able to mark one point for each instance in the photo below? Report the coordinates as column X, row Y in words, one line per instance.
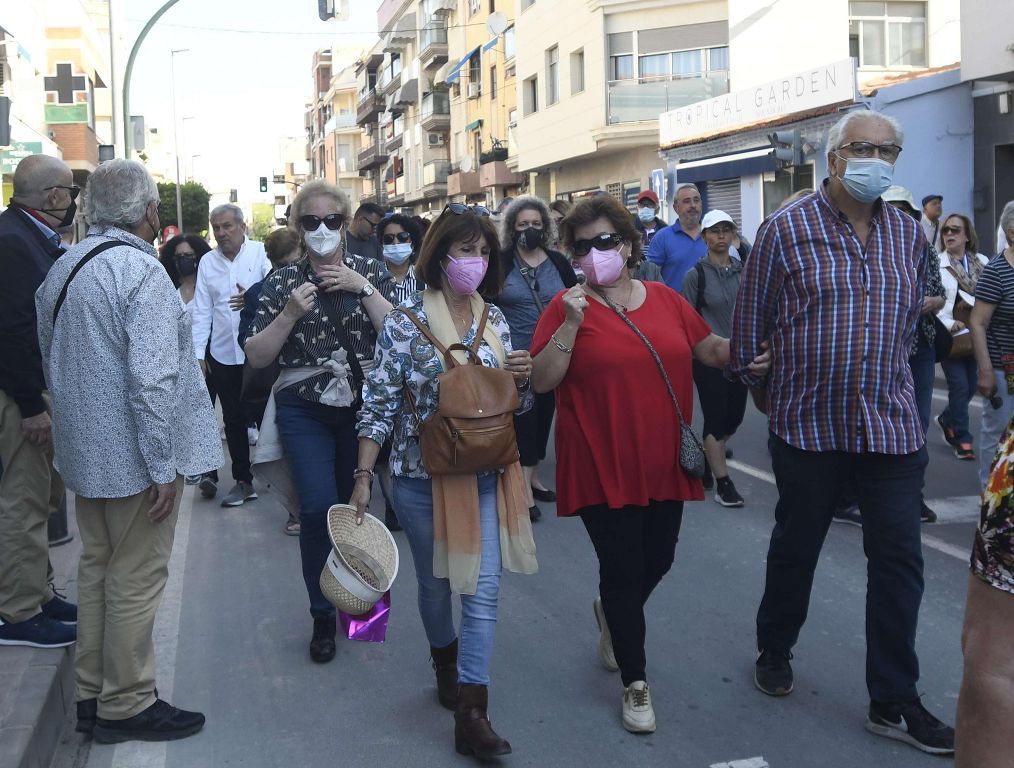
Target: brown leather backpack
column 473, row 428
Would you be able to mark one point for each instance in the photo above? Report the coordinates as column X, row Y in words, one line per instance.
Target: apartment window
column 622, row 67
column 621, row 56
column 492, row 83
column 577, row 71
column 508, row 43
column 475, row 75
column 888, row 34
column 531, row 95
column 553, row 75
column 474, row 6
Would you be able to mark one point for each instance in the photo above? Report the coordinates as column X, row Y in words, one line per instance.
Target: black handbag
column 942, row 341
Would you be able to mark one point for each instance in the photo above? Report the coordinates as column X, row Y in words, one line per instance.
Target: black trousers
column 228, row 381
column 889, row 494
column 636, row 547
column 533, row 427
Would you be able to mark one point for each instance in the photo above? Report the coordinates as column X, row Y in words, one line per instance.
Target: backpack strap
column 77, row 268
column 701, row 282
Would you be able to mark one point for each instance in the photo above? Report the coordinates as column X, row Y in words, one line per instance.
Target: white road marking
column 140, row 754
column 958, row 509
column 750, row 762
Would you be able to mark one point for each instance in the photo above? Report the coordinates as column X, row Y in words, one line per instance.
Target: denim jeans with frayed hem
column 413, row 498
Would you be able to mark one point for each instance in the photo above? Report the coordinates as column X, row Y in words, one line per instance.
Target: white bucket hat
column 363, row 563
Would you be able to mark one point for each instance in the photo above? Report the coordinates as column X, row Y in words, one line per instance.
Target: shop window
column 889, row 35
column 784, row 182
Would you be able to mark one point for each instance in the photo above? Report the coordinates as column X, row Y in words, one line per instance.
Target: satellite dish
column 466, row 164
column 497, row 23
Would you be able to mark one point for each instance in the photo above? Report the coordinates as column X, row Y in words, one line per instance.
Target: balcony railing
column 434, row 33
column 436, row 111
column 346, row 119
column 436, row 172
column 648, row 97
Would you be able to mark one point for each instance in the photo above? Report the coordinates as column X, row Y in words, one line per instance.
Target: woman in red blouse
column 617, row 432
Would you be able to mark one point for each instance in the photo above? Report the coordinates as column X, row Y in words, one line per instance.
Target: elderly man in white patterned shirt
column 131, row 417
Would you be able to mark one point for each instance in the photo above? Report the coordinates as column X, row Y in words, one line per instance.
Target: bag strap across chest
column 472, row 351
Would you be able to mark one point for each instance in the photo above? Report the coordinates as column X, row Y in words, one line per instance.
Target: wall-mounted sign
column 14, row 154
column 68, row 96
column 799, row 92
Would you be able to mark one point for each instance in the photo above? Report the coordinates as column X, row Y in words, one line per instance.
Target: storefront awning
column 728, row 166
column 453, row 74
column 474, row 125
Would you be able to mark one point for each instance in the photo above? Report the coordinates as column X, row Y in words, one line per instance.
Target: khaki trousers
column 29, row 490
column 123, row 570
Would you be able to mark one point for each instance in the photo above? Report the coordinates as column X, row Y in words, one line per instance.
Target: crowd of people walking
column 437, row 358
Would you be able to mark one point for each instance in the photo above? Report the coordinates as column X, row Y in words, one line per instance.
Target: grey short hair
column 119, row 192
column 515, row 208
column 681, row 187
column 235, row 210
column 318, row 188
column 838, row 130
column 1007, row 217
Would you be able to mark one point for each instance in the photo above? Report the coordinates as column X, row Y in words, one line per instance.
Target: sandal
column 292, row 527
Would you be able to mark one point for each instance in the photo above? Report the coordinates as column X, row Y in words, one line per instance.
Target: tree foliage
column 263, row 221
column 195, row 199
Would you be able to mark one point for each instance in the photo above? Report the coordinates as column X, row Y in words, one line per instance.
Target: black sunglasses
column 310, row 223
column 460, row 208
column 952, row 230
column 602, row 241
column 73, row 190
column 401, row 237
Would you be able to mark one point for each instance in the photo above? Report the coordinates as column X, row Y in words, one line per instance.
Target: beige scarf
column 457, row 539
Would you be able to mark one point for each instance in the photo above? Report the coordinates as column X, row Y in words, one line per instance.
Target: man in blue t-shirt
column 677, row 248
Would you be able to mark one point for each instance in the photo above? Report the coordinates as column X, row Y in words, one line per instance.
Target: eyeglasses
column 863, row 149
column 311, row 223
column 951, row 230
column 401, row 237
column 73, row 190
column 460, row 208
column 601, row 241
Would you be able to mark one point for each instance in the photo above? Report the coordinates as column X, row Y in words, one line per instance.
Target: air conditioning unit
column 473, row 90
column 436, row 139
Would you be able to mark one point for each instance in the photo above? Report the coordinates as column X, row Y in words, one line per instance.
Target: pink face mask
column 602, row 267
column 464, row 274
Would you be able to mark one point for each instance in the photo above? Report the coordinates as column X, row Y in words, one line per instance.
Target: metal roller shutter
column 725, row 196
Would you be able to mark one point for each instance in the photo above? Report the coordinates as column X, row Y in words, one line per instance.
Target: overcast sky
column 245, row 88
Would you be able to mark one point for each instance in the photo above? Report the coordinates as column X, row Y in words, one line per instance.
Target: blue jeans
column 413, row 498
column 923, row 364
column 962, row 379
column 322, row 448
column 809, row 484
column 994, row 422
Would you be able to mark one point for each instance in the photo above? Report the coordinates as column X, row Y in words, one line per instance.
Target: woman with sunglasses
column 400, row 239
column 533, row 274
column 961, row 265
column 461, row 528
column 319, row 319
column 618, row 434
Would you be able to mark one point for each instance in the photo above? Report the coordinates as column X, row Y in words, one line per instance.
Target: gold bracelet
column 363, row 471
column 560, row 345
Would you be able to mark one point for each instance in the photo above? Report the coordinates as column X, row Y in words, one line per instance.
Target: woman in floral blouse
column 461, row 528
column 319, row 318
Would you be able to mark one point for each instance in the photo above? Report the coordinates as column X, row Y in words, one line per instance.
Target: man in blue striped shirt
column 835, row 282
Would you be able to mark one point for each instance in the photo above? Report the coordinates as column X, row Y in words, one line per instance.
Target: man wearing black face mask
column 30, row 488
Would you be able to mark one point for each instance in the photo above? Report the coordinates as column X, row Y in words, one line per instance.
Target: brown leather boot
column 473, row 734
column 445, row 664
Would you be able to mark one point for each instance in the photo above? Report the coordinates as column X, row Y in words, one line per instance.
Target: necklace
column 625, row 304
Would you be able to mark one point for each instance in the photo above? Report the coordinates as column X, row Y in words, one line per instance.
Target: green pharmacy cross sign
column 67, row 87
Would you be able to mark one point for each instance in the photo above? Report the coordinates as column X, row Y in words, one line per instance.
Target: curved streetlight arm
column 127, row 133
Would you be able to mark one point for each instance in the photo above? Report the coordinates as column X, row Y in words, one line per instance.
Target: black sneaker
column 208, row 486
column 913, row 724
column 848, row 514
column 773, row 673
column 950, row 436
column 726, row 493
column 322, row 644
column 60, row 610
column 534, row 513
column 38, row 632
column 927, row 515
column 159, row 722
column 87, row 711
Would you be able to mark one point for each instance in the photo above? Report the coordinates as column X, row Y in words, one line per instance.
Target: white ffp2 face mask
column 323, row 241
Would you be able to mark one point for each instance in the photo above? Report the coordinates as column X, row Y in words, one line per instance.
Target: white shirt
column 216, row 281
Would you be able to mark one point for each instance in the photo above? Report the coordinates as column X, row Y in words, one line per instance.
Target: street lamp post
column 176, row 145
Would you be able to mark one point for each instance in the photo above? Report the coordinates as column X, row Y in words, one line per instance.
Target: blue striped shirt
column 840, row 318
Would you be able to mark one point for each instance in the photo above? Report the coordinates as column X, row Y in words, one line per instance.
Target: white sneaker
column 605, row 639
column 638, row 714
column 252, row 435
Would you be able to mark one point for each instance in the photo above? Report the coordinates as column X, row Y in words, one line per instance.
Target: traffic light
column 264, row 183
column 788, row 146
column 233, row 195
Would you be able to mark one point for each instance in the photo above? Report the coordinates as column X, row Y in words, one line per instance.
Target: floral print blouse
column 406, row 359
column 993, row 550
column 313, row 338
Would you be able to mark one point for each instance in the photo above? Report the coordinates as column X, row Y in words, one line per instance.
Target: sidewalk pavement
column 36, row 684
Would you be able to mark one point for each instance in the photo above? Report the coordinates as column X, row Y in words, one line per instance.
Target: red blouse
column 617, row 433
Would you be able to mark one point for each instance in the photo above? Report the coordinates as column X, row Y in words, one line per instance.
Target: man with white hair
column 131, row 418
column 30, row 489
column 835, row 284
column 223, row 276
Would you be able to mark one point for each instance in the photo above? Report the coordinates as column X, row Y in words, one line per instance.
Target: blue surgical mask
column 397, row 253
column 867, row 178
column 646, row 215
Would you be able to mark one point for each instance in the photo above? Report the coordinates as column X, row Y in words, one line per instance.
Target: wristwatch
column 367, row 290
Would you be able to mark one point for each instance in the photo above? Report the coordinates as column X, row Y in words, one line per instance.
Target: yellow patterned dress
column 993, row 551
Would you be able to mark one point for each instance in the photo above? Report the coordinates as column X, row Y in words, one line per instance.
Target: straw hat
column 363, row 563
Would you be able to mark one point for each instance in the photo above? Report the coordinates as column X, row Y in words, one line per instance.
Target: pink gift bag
column 370, row 627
